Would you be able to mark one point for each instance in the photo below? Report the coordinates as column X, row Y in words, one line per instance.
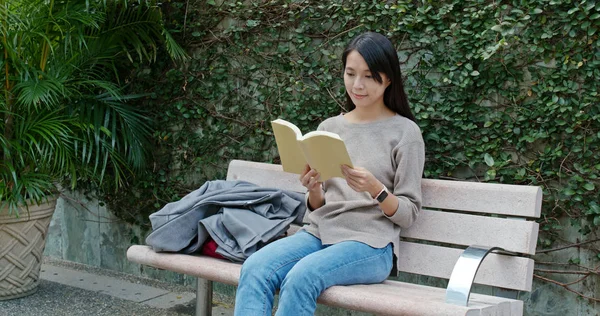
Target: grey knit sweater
column 392, row 150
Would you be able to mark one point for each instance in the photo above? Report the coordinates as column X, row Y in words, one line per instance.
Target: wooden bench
column 456, row 215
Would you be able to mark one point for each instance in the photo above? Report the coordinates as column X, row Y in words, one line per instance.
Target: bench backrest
column 456, row 213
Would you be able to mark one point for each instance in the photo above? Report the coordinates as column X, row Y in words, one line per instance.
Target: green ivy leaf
column 490, row 174
column 591, row 31
column 575, row 260
column 497, row 28
column 517, row 131
column 597, row 220
column 252, row 23
column 589, row 186
column 488, row 160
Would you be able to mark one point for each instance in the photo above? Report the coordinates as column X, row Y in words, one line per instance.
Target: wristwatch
column 382, row 195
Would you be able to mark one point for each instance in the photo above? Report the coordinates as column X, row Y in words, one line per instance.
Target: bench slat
column 492, row 198
column 505, row 199
column 387, row 298
column 200, row 266
column 496, row 270
column 399, row 298
column 466, row 230
column 411, row 299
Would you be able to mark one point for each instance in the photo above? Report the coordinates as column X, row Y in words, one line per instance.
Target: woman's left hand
column 361, row 180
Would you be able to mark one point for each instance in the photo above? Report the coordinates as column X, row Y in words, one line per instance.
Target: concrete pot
column 22, row 242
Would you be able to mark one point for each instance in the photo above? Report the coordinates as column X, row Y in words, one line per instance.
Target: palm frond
column 175, row 51
column 138, row 29
column 16, row 189
column 113, row 135
column 39, row 91
column 42, row 140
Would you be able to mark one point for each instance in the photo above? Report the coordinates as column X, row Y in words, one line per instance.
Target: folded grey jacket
column 239, row 216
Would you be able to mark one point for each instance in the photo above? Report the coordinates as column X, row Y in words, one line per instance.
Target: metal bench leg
column 203, row 297
column 463, row 274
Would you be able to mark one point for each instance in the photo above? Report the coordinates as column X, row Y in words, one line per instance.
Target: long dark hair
column 380, row 55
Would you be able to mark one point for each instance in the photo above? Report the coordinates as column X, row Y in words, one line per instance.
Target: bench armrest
column 463, row 274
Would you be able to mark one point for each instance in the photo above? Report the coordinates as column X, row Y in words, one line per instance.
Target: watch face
column 381, row 197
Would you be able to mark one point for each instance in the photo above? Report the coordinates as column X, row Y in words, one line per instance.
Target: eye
column 368, row 76
column 349, row 74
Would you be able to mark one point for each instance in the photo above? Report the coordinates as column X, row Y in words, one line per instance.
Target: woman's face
column 363, row 90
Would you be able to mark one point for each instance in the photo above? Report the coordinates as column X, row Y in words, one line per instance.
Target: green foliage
column 64, row 115
column 503, row 91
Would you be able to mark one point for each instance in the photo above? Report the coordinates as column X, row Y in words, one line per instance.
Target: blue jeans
column 302, row 267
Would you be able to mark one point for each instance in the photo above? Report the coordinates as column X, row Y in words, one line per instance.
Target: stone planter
column 22, row 242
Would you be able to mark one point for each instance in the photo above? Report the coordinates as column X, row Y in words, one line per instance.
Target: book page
column 326, row 152
column 286, row 137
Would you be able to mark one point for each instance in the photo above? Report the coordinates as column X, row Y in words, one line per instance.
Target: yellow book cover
column 323, row 151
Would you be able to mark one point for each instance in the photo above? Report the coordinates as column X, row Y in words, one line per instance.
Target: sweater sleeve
column 409, row 159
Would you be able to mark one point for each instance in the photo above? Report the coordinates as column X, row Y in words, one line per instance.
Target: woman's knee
column 302, row 279
column 255, row 266
column 263, row 271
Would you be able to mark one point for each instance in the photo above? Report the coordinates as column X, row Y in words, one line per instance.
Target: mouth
column 358, row 96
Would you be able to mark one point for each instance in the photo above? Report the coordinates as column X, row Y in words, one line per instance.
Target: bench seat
column 387, row 298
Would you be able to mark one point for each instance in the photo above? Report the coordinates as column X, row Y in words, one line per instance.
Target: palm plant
column 64, row 111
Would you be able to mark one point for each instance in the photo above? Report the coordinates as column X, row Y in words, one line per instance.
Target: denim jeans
column 302, row 267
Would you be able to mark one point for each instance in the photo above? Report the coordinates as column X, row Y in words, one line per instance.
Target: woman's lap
column 302, row 267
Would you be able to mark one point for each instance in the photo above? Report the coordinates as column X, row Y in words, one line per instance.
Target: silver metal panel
column 463, row 274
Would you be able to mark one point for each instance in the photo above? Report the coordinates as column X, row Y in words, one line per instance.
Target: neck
column 371, row 114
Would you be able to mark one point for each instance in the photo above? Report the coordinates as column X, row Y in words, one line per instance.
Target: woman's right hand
column 310, row 179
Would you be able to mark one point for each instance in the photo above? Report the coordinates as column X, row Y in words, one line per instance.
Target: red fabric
column 209, row 248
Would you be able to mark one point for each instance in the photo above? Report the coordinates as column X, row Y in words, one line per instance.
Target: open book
column 322, row 151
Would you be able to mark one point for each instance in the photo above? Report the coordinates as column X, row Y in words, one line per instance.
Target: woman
column 354, row 222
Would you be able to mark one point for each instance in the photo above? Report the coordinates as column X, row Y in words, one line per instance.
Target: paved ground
column 73, row 289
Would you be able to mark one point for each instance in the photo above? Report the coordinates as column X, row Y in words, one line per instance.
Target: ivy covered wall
column 504, row 91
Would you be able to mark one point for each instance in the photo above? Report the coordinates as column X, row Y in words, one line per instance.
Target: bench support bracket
column 203, row 297
column 463, row 274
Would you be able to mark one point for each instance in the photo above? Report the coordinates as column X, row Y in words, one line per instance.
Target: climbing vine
column 504, row 91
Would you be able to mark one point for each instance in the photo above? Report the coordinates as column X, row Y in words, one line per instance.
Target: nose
column 358, row 83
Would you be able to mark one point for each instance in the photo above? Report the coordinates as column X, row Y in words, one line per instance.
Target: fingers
column 351, row 179
column 357, row 178
column 346, row 170
column 303, row 176
column 353, row 184
column 313, row 181
column 305, row 171
column 310, row 178
column 356, row 174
